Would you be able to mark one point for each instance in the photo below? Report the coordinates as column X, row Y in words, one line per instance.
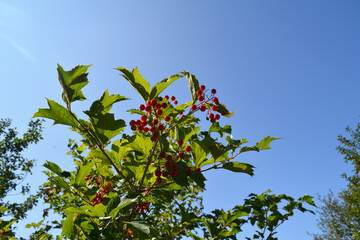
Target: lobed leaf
column 136, row 81
column 161, row 86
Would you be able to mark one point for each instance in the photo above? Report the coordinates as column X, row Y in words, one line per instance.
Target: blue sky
column 288, row 69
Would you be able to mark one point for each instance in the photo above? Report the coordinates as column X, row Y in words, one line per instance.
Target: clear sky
column 288, row 69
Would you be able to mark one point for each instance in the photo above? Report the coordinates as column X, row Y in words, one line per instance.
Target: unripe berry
column 202, row 108
column 193, row 107
column 214, row 108
column 188, row 148
column 159, row 112
column 180, row 142
column 199, row 92
column 142, row 107
column 167, row 118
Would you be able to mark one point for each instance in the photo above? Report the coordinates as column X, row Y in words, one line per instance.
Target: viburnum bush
column 148, row 184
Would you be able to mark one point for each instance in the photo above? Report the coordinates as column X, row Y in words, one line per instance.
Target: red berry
column 140, row 128
column 173, row 98
column 199, row 92
column 153, row 102
column 169, row 157
column 217, row 116
column 202, row 87
column 153, row 138
column 132, row 122
column 174, row 173
column 202, row 108
column 143, row 118
column 214, row 108
column 133, row 127
column 161, row 127
column 148, row 108
column 155, row 122
column 188, row 148
column 201, row 98
column 148, row 103
column 160, row 99
column 181, row 155
column 193, row 107
column 142, row 107
column 156, row 134
column 198, row 169
column 157, row 172
column 212, row 120
column 167, row 118
column 174, row 167
column 158, row 106
column 165, row 173
column 211, row 115
column 180, row 142
column 146, row 129
column 223, row 112
column 216, row 100
column 159, row 112
column 152, row 129
column 162, row 155
column 138, row 122
column 168, row 164
column 188, row 171
column 164, row 105
column 175, row 102
column 213, row 91
column 167, row 97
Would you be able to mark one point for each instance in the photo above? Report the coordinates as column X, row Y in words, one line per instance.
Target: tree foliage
column 147, row 184
column 340, row 214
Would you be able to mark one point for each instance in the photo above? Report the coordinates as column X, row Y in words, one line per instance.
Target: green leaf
column 140, row 226
column 264, row 144
column 118, row 203
column 72, row 82
column 193, row 84
column 136, row 81
column 239, row 167
column 53, row 167
column 198, row 152
column 58, row 113
column 161, row 86
column 83, row 171
column 141, row 144
column 215, row 127
column 104, row 103
column 68, row 228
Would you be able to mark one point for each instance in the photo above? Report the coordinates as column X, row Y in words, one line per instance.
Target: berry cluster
column 104, row 188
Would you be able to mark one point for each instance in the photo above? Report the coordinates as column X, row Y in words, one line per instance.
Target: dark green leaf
column 136, row 81
column 239, row 167
column 104, row 104
column 161, row 86
column 193, row 84
column 53, row 167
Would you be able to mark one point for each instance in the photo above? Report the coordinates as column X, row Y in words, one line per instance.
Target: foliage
column 147, row 185
column 14, row 168
column 340, row 215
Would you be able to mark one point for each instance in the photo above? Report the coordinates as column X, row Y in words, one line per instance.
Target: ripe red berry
column 146, row 129
column 217, row 116
column 175, row 102
column 212, row 120
column 168, row 164
column 138, row 122
column 153, row 102
column 132, row 122
column 202, row 108
column 162, row 155
column 164, row 105
column 167, row 97
column 174, row 173
column 199, row 92
column 181, row 155
column 173, row 98
column 188, row 171
column 223, row 112
column 157, row 172
column 148, row 103
column 152, row 129
column 165, row 173
column 201, row 98
column 161, row 127
column 159, row 112
column 213, row 91
column 180, row 142
column 202, row 87
column 188, row 148
column 148, row 108
column 143, row 118
column 133, row 127
column 214, row 108
column 140, row 128
column 198, row 169
column 153, row 138
column 158, row 180
column 142, row 107
column 158, row 106
column 193, row 107
column 160, row 99
column 155, row 122
column 174, row 167
column 169, row 157
column 211, row 115
column 216, row 100
column 167, row 118
column 155, row 134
